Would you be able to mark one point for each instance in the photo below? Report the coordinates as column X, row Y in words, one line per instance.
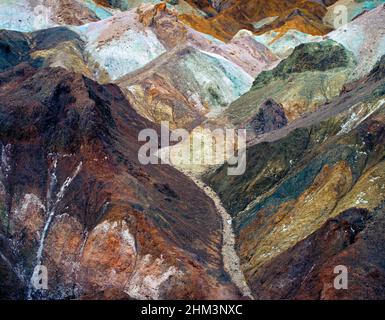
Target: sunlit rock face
column 353, row 8
column 223, row 19
column 169, row 71
column 365, row 37
column 306, row 271
column 284, row 44
column 271, row 116
column 304, row 16
column 79, row 79
column 194, row 84
column 283, row 41
column 117, row 229
column 183, row 6
column 298, row 177
column 120, row 45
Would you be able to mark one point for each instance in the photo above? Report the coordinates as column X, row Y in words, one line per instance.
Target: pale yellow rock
column 295, row 220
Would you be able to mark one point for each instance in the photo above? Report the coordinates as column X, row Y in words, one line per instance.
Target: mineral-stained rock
column 80, row 79
column 306, row 271
column 169, row 71
column 185, row 86
column 147, row 51
column 14, row 48
column 271, row 116
column 321, row 56
column 298, row 177
column 32, row 15
column 223, row 19
column 305, row 16
column 312, row 75
column 365, row 38
column 353, row 8
column 183, row 6
column 284, row 45
column 54, row 47
column 117, row 228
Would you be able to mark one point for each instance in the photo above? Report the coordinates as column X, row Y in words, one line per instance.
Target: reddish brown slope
column 306, row 271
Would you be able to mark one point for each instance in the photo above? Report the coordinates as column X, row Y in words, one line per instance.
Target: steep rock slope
column 271, row 116
column 121, row 44
column 350, row 35
column 311, row 76
column 186, row 87
column 305, row 16
column 354, row 9
column 223, row 19
column 365, row 37
column 354, row 239
column 54, row 47
column 32, row 15
column 75, row 199
column 147, row 51
column 314, row 74
column 169, row 71
column 200, row 8
column 300, row 175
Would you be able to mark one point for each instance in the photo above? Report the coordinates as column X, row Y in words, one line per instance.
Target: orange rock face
column 305, row 16
column 225, row 18
column 118, row 229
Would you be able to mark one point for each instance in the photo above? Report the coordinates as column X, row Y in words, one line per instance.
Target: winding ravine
column 230, row 258
column 51, row 211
